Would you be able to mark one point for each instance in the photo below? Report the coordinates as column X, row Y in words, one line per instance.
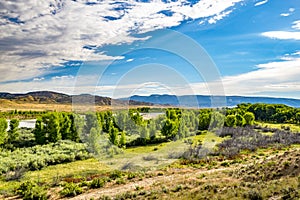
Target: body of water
column 27, row 123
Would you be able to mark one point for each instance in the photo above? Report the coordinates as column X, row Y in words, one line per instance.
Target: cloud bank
column 37, row 35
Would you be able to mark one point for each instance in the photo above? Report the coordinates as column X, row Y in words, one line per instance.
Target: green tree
column 297, row 117
column 65, row 126
column 13, row 133
column 240, row 121
column 38, row 132
column 113, row 135
column 249, row 118
column 217, row 120
column 77, row 124
column 204, row 121
column 122, row 142
column 230, row 120
column 144, row 134
column 170, row 128
column 3, row 133
column 52, row 126
column 152, row 129
column 94, row 140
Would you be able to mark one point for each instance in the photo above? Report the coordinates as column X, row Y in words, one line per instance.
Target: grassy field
column 156, row 172
column 293, row 127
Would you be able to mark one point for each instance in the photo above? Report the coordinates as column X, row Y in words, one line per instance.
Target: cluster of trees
column 275, row 113
column 233, row 120
column 55, row 126
column 22, row 114
column 128, row 127
column 10, row 136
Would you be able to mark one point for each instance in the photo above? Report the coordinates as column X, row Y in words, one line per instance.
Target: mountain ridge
column 206, row 100
column 50, row 97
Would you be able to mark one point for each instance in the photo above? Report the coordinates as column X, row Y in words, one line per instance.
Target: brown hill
column 49, row 97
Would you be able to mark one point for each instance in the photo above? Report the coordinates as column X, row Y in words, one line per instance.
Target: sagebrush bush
column 97, row 183
column 71, row 189
column 31, row 191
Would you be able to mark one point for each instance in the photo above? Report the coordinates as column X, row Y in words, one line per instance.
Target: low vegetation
column 232, row 153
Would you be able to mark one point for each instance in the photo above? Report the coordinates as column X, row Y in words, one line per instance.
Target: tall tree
column 204, row 121
column 52, row 126
column 249, row 118
column 240, row 121
column 3, row 133
column 39, row 134
column 65, row 126
column 230, row 120
column 13, row 133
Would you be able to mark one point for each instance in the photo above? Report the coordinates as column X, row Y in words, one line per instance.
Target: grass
column 75, row 169
column 54, row 174
column 293, row 127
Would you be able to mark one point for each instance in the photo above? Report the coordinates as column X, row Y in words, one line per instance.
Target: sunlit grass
column 293, row 127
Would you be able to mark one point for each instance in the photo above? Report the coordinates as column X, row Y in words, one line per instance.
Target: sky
column 143, row 47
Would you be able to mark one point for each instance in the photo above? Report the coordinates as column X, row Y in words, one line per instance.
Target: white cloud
column 285, row 14
column 291, row 10
column 296, row 25
column 282, row 35
column 276, row 77
column 280, row 77
column 66, row 77
column 216, row 18
column 52, row 32
column 261, row 3
column 38, row 79
column 129, row 60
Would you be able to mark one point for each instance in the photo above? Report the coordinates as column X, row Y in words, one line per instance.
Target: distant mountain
column 47, row 97
column 205, row 101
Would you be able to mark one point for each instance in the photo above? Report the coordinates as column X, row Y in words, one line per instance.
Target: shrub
column 115, row 174
column 70, row 190
column 97, row 183
column 31, row 191
column 254, row 195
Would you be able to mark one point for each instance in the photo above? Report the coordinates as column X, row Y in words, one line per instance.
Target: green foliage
column 217, row 120
column 240, row 120
column 204, row 121
column 52, row 126
column 71, row 190
column 122, row 142
column 37, row 157
column 65, row 126
column 39, row 133
column 3, row 133
column 297, row 117
column 170, row 128
column 115, row 174
column 32, row 191
column 113, row 136
column 97, row 183
column 13, row 131
column 230, row 120
column 249, row 118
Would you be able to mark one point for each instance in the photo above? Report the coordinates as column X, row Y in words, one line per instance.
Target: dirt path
column 146, row 182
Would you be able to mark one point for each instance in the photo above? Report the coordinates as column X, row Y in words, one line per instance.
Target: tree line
column 130, row 128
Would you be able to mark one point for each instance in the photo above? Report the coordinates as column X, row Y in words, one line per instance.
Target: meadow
column 180, row 154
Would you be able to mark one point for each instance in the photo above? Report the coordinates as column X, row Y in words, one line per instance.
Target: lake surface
column 27, row 123
column 150, row 115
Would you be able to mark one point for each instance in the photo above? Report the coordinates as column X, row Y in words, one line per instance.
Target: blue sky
column 232, row 47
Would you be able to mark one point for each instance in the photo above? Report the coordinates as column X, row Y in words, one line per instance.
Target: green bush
column 71, row 190
column 32, row 191
column 97, row 183
column 116, row 174
column 254, row 195
column 40, row 156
